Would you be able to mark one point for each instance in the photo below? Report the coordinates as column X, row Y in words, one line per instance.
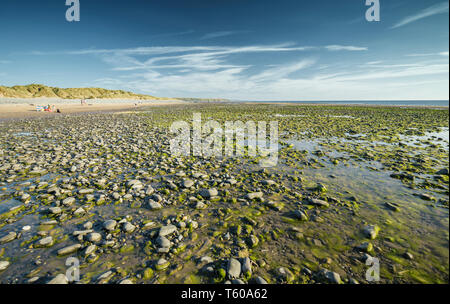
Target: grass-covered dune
column 40, row 91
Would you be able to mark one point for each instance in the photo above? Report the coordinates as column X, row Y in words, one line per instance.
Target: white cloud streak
column 443, row 54
column 221, row 34
column 439, row 8
column 345, row 48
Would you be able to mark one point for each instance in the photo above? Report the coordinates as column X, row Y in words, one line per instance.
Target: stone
column 208, row 193
column 365, row 247
column 79, row 211
column 110, row 225
column 259, row 280
column 85, row 191
column 8, row 237
column 253, row 241
column 234, row 268
column 149, row 190
column 45, row 242
column 25, row 197
column 442, row 172
column 392, row 207
column 105, row 277
column 187, row 183
column 55, row 210
column 371, row 231
column 268, row 182
column 426, row 197
column 154, row 205
column 163, row 250
column 32, row 280
column 408, row 256
column 135, row 184
column 162, row 241
column 128, row 227
column 26, row 228
column 300, row 215
column 318, row 202
column 205, row 260
column 90, row 250
column 246, row 266
column 200, row 205
column 69, row 249
column 82, row 232
column 94, row 237
column 330, row 276
column 284, row 274
column 162, row 264
column 59, row 279
column 278, row 206
column 254, row 195
column 156, row 197
column 116, row 196
column 167, row 230
column 68, row 201
column 3, row 265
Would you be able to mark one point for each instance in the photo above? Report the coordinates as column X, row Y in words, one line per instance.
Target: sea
column 433, row 103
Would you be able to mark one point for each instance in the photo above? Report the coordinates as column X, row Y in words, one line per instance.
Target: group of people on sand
column 47, row 108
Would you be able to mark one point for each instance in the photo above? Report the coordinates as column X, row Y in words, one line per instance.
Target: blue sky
column 238, row 49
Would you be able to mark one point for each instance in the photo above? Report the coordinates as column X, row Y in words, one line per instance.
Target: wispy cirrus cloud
column 439, row 8
column 175, row 58
column 345, row 48
column 164, row 50
column 221, row 34
column 282, row 71
column 197, row 57
column 173, row 34
column 443, row 54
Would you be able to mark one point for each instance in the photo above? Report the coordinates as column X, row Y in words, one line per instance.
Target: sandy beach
column 27, row 109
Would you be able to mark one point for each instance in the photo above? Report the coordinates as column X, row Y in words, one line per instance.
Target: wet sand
column 29, row 110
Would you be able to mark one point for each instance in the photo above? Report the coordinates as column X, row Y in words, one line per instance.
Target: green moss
column 148, row 274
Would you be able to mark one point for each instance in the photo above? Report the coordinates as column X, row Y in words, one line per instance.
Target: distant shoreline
column 394, row 103
column 343, row 104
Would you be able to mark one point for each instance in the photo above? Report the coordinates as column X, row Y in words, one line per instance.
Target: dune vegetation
column 40, row 91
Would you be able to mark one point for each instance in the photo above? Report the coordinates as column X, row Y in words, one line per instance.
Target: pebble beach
column 352, row 183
